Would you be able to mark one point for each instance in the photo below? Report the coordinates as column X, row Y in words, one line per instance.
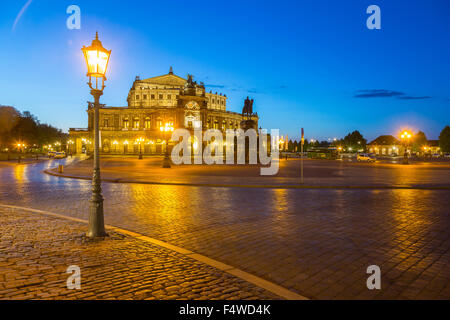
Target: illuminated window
column 137, row 97
column 160, row 97
column 153, row 97
column 148, row 123
column 105, row 123
column 136, row 123
column 145, row 97
column 169, row 96
column 126, row 123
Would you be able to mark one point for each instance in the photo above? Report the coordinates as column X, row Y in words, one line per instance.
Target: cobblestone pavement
column 317, row 243
column 36, row 251
column 335, row 173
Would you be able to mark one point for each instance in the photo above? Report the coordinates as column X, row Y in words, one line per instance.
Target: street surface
column 316, row 173
column 316, row 242
column 119, row 267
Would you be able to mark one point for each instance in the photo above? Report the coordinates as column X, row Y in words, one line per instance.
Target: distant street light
column 115, row 143
column 97, row 59
column 166, row 130
column 406, row 137
column 140, row 141
column 70, row 143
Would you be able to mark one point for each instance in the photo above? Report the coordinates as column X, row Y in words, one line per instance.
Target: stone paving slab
column 36, row 250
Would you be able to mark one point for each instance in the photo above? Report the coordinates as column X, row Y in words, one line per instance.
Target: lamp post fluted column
column 97, row 58
column 96, row 219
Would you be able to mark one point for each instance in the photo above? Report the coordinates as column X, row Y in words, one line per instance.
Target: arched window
column 136, row 123
column 126, row 123
column 148, row 123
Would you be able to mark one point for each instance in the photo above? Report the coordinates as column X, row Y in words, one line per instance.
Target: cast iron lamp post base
column 405, row 159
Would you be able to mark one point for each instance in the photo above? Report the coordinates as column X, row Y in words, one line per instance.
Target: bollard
column 61, row 168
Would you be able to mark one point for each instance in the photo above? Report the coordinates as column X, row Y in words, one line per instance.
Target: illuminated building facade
column 152, row 103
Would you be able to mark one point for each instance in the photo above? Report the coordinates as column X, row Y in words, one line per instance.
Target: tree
column 25, row 128
column 444, row 139
column 9, row 117
column 355, row 140
column 419, row 140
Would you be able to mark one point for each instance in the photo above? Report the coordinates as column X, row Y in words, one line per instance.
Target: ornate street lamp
column 167, row 129
column 115, row 143
column 140, row 140
column 406, row 137
column 97, row 59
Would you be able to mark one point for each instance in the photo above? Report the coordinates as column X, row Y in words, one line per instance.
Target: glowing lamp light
column 168, row 127
column 97, row 58
column 406, row 135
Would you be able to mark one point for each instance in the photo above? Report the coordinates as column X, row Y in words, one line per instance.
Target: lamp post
column 406, row 136
column 20, row 145
column 97, row 59
column 125, row 146
column 167, row 129
column 139, row 141
column 70, row 143
column 115, row 143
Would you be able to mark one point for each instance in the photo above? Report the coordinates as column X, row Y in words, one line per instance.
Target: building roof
column 433, row 143
column 385, row 140
column 169, row 79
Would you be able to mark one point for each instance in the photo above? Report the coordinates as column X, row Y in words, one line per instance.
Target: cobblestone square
column 316, row 243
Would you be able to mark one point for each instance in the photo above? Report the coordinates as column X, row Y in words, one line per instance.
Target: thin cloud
column 377, row 93
column 383, row 93
column 21, row 12
column 414, row 98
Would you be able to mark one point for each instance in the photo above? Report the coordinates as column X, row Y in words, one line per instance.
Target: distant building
column 432, row 147
column 386, row 145
column 152, row 103
column 389, row 145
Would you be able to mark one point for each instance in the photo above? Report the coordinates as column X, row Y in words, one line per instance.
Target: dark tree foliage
column 16, row 127
column 355, row 140
column 420, row 140
column 444, row 139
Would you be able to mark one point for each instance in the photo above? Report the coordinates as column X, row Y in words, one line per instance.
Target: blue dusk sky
column 311, row 64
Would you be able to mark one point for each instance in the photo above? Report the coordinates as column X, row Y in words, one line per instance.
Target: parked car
column 364, row 157
column 436, row 155
column 60, row 155
column 447, row 155
column 51, row 154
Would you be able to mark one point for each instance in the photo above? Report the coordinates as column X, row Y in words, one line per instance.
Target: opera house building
column 154, row 103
